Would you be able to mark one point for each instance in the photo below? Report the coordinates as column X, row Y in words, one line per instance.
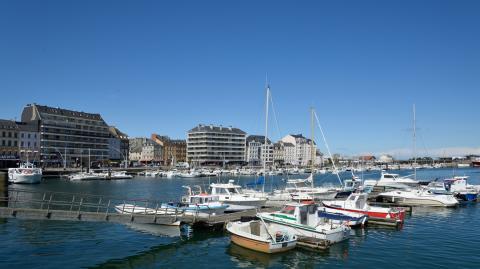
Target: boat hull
column 25, row 179
column 398, row 214
column 260, row 246
column 419, row 202
column 331, row 237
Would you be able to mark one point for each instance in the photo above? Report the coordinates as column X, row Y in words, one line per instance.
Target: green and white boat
column 304, row 220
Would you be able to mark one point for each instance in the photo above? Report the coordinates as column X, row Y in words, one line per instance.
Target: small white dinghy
column 257, row 235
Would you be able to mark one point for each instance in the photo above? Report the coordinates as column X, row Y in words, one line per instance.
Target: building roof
column 61, row 111
column 117, row 133
column 286, row 144
column 216, row 129
column 258, row 138
column 8, row 124
column 28, row 127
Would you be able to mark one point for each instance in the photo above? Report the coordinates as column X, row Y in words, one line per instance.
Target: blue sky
column 165, row 66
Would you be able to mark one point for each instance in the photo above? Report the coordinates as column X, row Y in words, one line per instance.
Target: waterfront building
column 68, row 135
column 215, row 145
column 29, row 141
column 174, row 150
column 9, row 150
column 278, row 154
column 256, row 150
column 302, row 149
column 145, row 150
column 385, row 158
column 284, row 153
column 118, row 145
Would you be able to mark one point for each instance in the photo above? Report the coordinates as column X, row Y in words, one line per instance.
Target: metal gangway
column 49, row 205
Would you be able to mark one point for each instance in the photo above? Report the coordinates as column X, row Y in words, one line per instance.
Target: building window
column 21, row 144
column 15, row 143
column 28, row 136
column 3, row 142
column 28, row 143
column 9, row 143
column 3, row 134
column 15, row 135
column 9, row 134
column 22, row 135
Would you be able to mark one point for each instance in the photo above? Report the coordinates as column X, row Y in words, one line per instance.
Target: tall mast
column 312, row 149
column 265, row 147
column 414, row 145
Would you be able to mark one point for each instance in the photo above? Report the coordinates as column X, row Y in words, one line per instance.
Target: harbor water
column 430, row 238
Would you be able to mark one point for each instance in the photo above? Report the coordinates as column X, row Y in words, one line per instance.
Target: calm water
column 431, row 238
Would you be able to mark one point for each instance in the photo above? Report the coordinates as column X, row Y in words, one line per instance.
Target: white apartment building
column 256, row 151
column 300, row 154
column 215, row 145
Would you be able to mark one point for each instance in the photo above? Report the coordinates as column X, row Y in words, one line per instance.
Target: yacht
column 233, row 194
column 357, row 202
column 419, row 197
column 304, row 220
column 120, row 175
column 27, row 173
column 395, row 181
column 199, row 201
column 305, row 188
column 87, row 176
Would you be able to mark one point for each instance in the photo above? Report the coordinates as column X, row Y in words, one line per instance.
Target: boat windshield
column 288, row 210
column 233, row 190
column 196, row 200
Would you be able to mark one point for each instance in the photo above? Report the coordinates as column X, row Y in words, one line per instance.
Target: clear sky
column 165, row 66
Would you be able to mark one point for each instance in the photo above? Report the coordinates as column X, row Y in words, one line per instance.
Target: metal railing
column 74, row 202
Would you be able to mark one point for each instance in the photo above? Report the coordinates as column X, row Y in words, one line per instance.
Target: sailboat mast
column 414, row 144
column 312, row 149
column 265, row 147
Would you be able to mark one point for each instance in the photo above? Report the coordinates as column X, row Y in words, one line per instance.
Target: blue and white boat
column 459, row 187
column 199, row 201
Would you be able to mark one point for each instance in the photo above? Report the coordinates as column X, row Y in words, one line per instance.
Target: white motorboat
column 301, row 189
column 27, row 173
column 419, row 197
column 395, row 181
column 304, row 220
column 357, row 203
column 259, row 236
column 202, row 202
column 233, row 194
column 120, row 175
column 87, row 176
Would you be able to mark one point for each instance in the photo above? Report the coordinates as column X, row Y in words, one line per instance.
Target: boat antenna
column 326, row 145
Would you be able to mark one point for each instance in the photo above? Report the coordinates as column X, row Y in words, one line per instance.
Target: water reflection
column 159, row 254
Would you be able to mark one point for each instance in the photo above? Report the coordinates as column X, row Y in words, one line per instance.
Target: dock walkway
column 24, row 204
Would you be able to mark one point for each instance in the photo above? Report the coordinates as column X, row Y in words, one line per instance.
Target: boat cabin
column 226, row 189
column 357, row 200
column 198, row 197
column 305, row 214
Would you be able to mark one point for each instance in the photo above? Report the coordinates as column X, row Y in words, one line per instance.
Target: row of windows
column 9, row 143
column 70, row 119
column 9, row 134
column 29, row 135
column 28, row 144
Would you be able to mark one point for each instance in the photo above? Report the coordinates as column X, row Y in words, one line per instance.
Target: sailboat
column 419, row 196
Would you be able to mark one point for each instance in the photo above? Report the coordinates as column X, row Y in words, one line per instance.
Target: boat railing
column 75, row 202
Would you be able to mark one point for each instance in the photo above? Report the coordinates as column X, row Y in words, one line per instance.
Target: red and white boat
column 357, row 202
